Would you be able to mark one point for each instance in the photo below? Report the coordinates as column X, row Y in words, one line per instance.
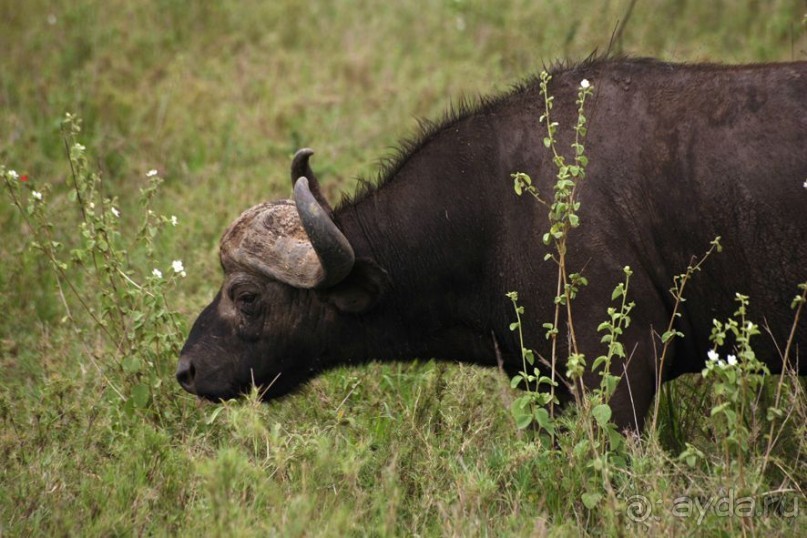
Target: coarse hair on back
column 464, row 107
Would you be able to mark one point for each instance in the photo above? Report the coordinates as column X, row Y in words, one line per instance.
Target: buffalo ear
column 360, row 290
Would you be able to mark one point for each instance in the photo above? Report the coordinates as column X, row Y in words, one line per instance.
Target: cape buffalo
column 417, row 263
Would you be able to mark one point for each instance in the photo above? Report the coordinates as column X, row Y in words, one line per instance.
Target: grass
column 217, row 96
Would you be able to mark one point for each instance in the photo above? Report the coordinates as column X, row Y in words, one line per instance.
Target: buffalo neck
column 424, row 227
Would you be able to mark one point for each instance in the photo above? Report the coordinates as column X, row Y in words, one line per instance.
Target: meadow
column 97, row 438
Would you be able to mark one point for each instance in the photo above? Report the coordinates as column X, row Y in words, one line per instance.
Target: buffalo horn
column 301, row 168
column 332, row 247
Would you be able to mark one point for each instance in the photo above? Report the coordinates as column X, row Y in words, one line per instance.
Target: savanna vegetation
column 132, row 133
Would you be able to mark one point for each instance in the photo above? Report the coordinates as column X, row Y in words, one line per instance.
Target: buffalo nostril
column 185, row 373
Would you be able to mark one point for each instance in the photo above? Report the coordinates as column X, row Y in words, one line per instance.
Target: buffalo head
column 292, row 286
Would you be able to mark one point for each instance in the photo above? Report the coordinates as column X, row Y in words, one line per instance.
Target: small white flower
column 176, row 265
column 731, row 360
column 805, row 183
column 585, row 83
column 52, row 19
column 151, row 173
column 13, row 174
column 114, row 211
column 174, row 220
column 712, row 354
column 720, row 363
column 92, row 205
column 79, row 147
column 157, row 273
column 37, row 195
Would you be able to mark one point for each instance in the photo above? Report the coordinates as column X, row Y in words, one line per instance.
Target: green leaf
column 580, row 449
column 514, row 326
column 140, row 395
column 602, row 414
column 209, row 420
column 598, row 361
column 520, row 413
column 545, row 380
column 719, row 408
column 522, row 421
column 615, row 438
column 544, row 420
column 128, row 407
column 591, row 499
column 132, row 364
column 547, row 142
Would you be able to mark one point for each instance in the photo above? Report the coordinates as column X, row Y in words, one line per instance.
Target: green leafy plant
column 598, row 447
column 563, row 218
column 97, row 278
column 677, row 291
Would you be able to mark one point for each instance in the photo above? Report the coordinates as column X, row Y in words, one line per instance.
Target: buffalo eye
column 247, row 303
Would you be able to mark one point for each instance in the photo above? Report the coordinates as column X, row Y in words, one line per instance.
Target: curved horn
column 301, row 168
column 332, row 247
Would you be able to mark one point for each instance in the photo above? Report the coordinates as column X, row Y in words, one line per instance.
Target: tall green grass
column 216, row 97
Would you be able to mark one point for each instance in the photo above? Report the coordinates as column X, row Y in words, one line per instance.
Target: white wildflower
column 92, row 205
column 713, row 356
column 732, row 360
column 585, row 84
column 174, row 220
column 157, row 273
column 114, row 211
column 52, row 19
column 37, row 195
column 178, row 268
column 805, row 183
column 13, row 174
column 79, row 147
column 151, row 173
